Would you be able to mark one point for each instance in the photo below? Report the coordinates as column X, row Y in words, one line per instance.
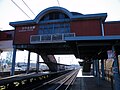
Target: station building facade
column 58, row 20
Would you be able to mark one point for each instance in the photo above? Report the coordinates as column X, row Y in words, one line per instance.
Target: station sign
column 27, row 28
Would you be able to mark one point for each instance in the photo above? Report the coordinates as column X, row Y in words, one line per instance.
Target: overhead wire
column 58, row 3
column 28, row 7
column 21, row 9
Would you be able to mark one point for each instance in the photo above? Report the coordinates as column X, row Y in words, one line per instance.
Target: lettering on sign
column 27, row 29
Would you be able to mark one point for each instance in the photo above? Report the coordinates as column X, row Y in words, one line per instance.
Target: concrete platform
column 85, row 81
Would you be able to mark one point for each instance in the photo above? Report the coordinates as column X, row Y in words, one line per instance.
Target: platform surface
column 85, row 81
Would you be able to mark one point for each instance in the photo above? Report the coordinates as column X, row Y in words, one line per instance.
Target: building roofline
column 101, row 16
column 7, row 30
column 52, row 9
column 19, row 23
column 91, row 16
column 112, row 22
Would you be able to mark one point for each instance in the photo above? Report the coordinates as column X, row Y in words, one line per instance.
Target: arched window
column 54, row 22
column 54, row 16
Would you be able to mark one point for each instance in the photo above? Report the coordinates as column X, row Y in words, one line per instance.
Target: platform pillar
column 0, row 54
column 37, row 63
column 96, row 68
column 102, row 69
column 116, row 69
column 97, row 72
column 28, row 64
column 13, row 61
column 93, row 67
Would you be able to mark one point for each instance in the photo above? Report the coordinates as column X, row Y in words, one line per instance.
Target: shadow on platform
column 85, row 81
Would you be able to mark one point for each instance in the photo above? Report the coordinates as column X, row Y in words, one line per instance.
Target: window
column 49, row 23
column 54, row 28
column 54, row 16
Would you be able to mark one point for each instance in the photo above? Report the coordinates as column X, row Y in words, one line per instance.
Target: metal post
column 37, row 63
column 116, row 70
column 13, row 61
column 93, row 67
column 97, row 72
column 96, row 66
column 0, row 54
column 102, row 69
column 102, row 27
column 28, row 64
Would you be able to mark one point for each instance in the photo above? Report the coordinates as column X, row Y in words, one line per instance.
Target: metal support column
column 28, row 64
column 96, row 66
column 97, row 72
column 93, row 67
column 102, row 69
column 0, row 54
column 116, row 69
column 37, row 63
column 13, row 61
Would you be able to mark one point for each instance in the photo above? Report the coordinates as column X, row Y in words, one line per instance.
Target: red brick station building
column 56, row 31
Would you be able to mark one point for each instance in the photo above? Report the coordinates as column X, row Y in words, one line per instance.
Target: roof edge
column 91, row 16
column 50, row 9
column 19, row 23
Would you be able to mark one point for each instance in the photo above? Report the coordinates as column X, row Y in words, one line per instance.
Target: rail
column 62, row 82
column 28, row 81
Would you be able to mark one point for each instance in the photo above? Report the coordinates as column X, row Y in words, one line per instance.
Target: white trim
column 102, row 28
column 51, row 9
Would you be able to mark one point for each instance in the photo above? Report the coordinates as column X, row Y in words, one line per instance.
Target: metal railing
column 45, row 38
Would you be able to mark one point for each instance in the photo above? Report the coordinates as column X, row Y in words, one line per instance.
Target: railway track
column 62, row 82
column 50, row 81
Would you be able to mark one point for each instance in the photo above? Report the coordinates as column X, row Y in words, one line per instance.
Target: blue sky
column 10, row 13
